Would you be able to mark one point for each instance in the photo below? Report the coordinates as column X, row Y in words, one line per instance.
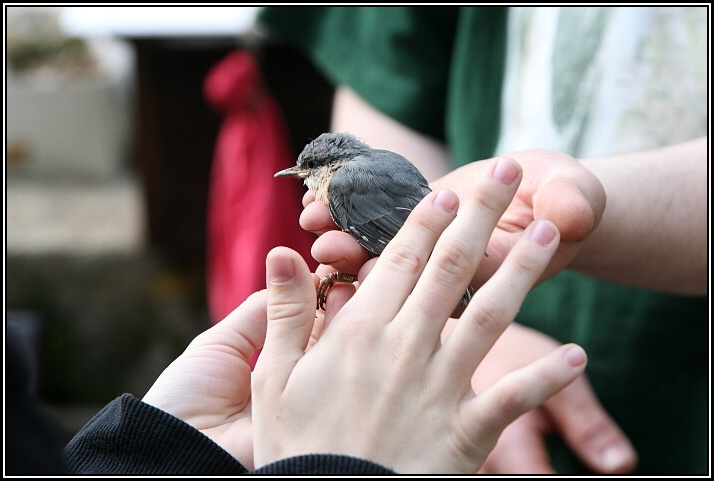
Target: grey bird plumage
column 370, row 192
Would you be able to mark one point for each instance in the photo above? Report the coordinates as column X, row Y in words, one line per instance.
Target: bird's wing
column 372, row 196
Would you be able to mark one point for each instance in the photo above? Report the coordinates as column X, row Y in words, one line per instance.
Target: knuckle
column 401, row 350
column 278, row 309
column 288, row 316
column 456, row 261
column 489, row 202
column 592, row 429
column 354, row 330
column 527, row 264
column 512, row 401
column 403, row 259
column 434, row 224
column 492, row 316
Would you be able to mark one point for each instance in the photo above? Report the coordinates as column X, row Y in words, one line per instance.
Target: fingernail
column 543, row 232
column 614, row 459
column 447, row 200
column 281, row 270
column 505, row 171
column 575, row 356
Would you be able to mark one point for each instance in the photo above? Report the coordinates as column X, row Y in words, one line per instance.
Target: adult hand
column 379, row 384
column 574, row 413
column 208, row 385
column 555, row 187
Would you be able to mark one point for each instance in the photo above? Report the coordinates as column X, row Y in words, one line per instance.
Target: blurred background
column 109, row 148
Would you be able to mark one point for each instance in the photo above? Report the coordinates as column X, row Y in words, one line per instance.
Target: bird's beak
column 293, row 172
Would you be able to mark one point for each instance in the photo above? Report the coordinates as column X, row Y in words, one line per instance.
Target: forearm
column 653, row 233
column 352, row 114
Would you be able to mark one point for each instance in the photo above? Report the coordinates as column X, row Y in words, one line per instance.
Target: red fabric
column 249, row 211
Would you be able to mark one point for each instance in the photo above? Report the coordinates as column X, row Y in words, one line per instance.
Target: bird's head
column 325, row 153
column 322, row 157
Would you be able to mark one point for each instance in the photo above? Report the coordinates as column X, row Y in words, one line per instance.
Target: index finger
column 315, row 217
column 398, row 268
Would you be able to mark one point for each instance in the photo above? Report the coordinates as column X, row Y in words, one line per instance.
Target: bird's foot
column 327, row 282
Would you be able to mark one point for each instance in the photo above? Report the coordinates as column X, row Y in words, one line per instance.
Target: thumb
column 521, row 448
column 291, row 314
column 575, row 207
column 589, row 431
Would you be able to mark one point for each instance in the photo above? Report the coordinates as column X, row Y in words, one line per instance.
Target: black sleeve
column 129, row 436
column 315, row 464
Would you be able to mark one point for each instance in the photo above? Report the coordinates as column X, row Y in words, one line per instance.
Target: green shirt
column 442, row 72
column 411, row 64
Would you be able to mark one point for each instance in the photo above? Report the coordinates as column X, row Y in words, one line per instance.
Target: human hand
column 379, row 384
column 208, row 385
column 555, row 187
column 574, row 413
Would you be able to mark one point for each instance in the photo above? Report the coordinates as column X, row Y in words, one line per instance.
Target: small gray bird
column 370, row 192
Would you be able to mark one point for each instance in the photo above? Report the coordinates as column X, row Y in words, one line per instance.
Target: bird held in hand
column 370, row 192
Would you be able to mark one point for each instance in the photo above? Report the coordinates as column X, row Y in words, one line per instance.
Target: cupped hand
column 555, row 187
column 379, row 384
column 208, row 385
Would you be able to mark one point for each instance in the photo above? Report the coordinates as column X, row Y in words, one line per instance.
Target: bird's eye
column 311, row 164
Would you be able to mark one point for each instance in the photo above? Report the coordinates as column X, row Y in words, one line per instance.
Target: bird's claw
column 327, row 282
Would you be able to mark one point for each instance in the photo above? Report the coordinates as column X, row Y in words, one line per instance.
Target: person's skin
column 653, row 197
column 598, row 441
column 521, row 449
column 672, row 179
column 654, row 229
column 330, row 396
column 379, row 384
column 208, row 385
column 352, row 114
column 575, row 412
